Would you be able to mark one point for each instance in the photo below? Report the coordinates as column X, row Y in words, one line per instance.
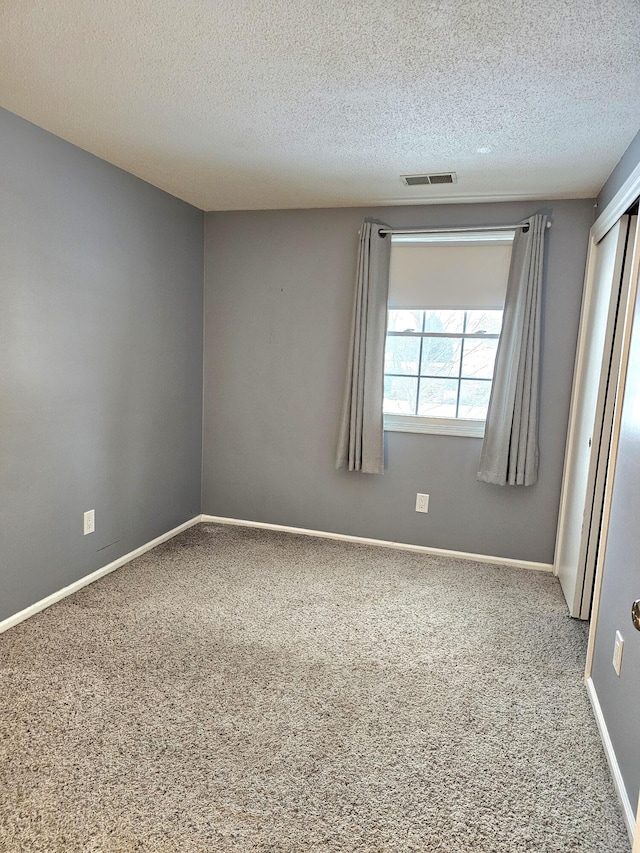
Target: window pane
column 441, row 356
column 438, row 398
column 405, row 321
column 444, row 321
column 400, row 395
column 474, row 399
column 479, row 357
column 402, row 355
column 489, row 322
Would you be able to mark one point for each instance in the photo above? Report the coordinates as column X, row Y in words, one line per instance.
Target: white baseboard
column 94, row 576
column 11, row 621
column 618, row 782
column 383, row 543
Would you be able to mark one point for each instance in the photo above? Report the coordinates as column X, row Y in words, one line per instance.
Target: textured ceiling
column 294, row 103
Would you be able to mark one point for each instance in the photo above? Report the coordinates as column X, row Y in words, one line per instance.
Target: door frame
column 606, row 428
column 618, row 782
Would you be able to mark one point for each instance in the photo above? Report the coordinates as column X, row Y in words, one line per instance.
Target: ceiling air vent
column 422, row 180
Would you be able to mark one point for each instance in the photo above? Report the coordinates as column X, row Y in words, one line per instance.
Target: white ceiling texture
column 249, row 104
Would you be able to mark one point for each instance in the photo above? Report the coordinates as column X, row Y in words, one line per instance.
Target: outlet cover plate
column 617, row 653
column 89, row 521
column 422, row 503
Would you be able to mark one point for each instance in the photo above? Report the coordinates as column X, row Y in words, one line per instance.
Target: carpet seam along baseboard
column 382, row 543
column 43, row 603
column 65, row 591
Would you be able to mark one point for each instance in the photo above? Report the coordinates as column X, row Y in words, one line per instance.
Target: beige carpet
column 246, row 690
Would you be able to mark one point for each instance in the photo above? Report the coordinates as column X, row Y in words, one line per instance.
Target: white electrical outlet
column 89, row 521
column 422, row 503
column 617, row 653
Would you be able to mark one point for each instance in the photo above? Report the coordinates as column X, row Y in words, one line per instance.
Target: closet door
column 603, row 429
column 593, row 365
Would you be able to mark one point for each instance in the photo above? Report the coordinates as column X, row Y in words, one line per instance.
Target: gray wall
column 101, row 362
column 278, row 296
column 620, row 697
column 623, row 169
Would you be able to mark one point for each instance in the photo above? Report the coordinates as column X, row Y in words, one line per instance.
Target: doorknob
column 635, row 614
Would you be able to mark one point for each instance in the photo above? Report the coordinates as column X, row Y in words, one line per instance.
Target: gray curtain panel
column 510, row 449
column 361, row 441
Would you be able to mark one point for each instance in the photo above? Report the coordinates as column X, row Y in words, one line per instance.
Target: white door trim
column 619, row 204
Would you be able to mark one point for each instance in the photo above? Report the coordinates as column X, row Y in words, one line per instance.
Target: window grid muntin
column 459, row 378
column 424, row 320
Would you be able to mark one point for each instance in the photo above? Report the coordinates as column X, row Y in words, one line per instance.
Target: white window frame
column 434, row 426
column 463, row 427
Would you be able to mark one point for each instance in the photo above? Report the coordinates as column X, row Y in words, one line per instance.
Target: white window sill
column 434, row 426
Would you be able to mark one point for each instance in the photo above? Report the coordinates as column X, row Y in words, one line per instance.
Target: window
column 446, row 297
column 439, row 364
